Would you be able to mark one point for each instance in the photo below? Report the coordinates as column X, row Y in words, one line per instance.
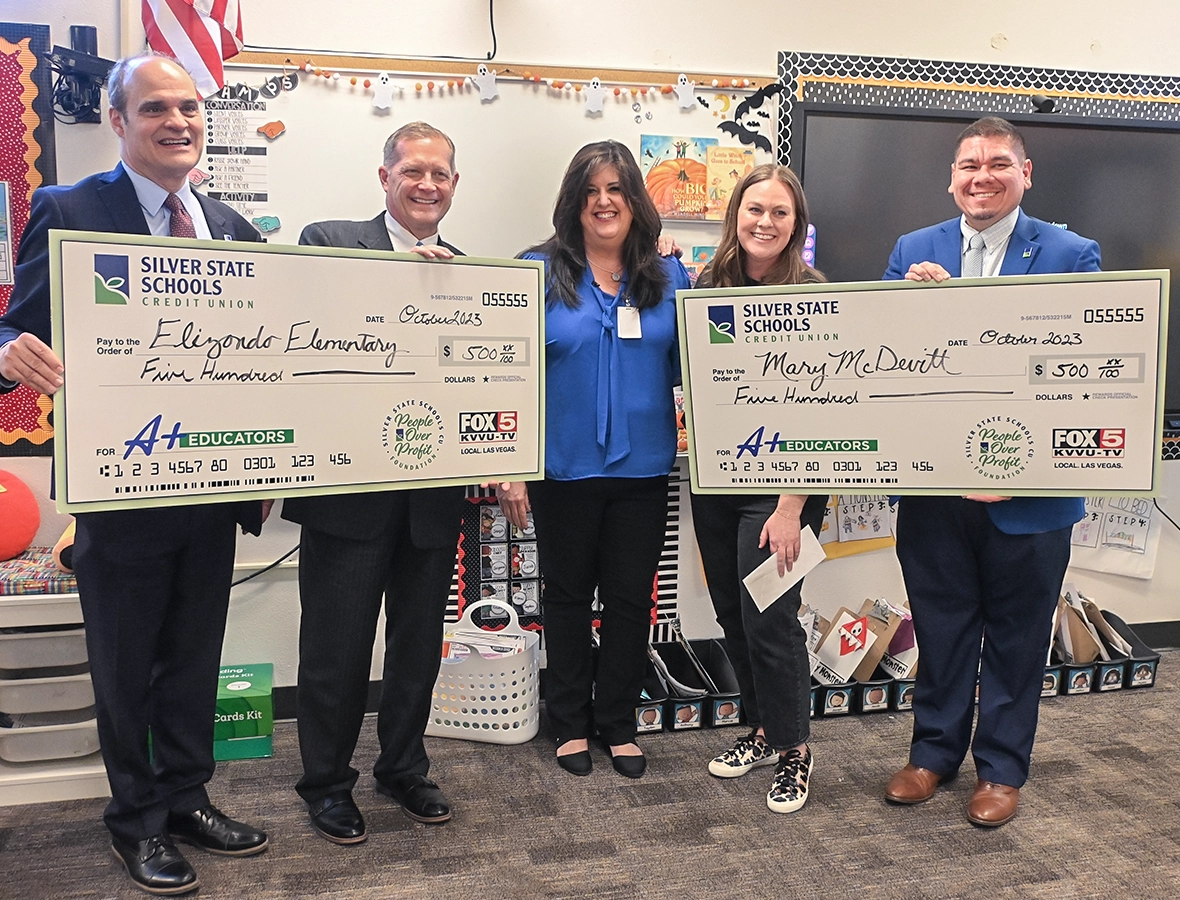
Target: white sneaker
column 788, row 791
column 748, row 753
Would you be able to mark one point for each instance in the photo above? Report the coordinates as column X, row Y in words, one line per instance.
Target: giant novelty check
column 1034, row 385
column 209, row 370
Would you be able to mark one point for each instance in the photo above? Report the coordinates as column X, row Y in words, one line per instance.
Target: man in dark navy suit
column 982, row 568
column 356, row 548
column 153, row 583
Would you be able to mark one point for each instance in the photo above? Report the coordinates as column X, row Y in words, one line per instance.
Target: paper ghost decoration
column 383, row 92
column 684, row 92
column 594, row 93
column 486, row 82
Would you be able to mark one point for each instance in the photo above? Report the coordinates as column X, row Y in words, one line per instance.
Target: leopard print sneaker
column 748, row 753
column 788, row 791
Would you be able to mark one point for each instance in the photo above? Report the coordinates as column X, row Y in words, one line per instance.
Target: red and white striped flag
column 198, row 33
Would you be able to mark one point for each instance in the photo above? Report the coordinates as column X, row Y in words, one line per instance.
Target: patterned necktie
column 180, row 223
column 973, row 258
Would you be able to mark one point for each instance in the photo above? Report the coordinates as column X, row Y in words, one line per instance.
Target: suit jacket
column 434, row 512
column 103, row 202
column 1035, row 248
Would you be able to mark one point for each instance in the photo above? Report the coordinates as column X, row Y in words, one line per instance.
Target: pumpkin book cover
column 676, row 175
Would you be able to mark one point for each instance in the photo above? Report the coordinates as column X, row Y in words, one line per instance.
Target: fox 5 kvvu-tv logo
column 1085, row 443
column 477, row 427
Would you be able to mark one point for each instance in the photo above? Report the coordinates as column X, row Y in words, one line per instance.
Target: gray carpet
column 1100, row 817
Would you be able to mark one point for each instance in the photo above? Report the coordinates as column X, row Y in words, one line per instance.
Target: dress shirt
column 151, row 200
column 995, row 241
column 609, row 405
column 403, row 241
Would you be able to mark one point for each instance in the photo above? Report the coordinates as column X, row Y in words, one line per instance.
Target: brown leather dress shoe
column 912, row 784
column 992, row 804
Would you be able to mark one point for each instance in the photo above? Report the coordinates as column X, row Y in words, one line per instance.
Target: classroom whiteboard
column 511, row 152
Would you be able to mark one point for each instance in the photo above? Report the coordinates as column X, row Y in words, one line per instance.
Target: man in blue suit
column 983, row 572
column 153, row 583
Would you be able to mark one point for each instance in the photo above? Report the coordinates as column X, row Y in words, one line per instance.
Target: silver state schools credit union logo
column 412, row 435
column 999, row 447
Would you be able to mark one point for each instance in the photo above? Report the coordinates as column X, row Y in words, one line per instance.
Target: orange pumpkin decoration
column 677, row 187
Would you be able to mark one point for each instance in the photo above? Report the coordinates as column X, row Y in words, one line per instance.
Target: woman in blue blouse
column 762, row 243
column 611, row 361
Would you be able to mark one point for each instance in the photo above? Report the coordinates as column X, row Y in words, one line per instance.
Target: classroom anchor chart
column 234, row 167
column 1119, row 535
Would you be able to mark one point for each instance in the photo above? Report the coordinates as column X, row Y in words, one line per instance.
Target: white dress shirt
column 995, row 241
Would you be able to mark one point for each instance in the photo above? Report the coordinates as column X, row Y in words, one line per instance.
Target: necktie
column 973, row 258
column 180, row 223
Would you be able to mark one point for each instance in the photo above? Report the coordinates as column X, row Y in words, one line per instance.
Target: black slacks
column 341, row 584
column 768, row 649
column 604, row 533
column 154, row 588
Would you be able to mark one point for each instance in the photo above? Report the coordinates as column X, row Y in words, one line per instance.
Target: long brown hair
column 566, row 248
column 728, row 266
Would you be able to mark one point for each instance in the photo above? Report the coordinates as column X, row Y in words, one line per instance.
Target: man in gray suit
column 355, row 548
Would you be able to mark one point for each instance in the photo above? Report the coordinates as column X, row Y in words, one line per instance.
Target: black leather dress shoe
column 156, row 866
column 212, row 830
column 336, row 818
column 420, row 798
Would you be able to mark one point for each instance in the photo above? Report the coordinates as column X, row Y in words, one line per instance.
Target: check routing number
column 1032, row 385
column 206, row 370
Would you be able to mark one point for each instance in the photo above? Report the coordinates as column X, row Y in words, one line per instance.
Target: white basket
column 491, row 700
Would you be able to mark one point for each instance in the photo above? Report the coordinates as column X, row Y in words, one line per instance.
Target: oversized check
column 1031, row 385
column 203, row 370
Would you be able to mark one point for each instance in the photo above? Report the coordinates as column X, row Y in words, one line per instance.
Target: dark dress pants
column 970, row 583
column 606, row 533
column 768, row 649
column 341, row 583
column 154, row 588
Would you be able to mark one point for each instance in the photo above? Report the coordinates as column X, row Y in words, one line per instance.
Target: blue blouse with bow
column 608, row 404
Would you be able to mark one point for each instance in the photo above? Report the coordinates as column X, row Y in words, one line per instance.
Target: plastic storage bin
column 492, row 700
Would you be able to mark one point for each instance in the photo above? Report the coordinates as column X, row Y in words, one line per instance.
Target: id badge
column 629, row 322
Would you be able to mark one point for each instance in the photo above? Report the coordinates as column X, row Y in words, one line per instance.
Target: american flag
column 198, row 33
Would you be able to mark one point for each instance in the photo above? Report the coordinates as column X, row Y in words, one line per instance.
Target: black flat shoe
column 630, row 766
column 578, row 763
column 213, row 831
column 420, row 798
column 337, row 819
column 156, row 866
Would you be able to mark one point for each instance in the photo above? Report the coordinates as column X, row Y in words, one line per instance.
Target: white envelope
column 764, row 583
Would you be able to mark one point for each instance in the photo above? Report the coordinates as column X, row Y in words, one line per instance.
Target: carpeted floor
column 1099, row 818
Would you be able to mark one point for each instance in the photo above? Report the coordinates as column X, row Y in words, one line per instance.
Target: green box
column 245, row 720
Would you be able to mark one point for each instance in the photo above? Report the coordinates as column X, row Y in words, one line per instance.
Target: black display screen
column 872, row 175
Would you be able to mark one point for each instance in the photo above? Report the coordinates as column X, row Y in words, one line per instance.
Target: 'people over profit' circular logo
column 999, row 447
column 412, row 434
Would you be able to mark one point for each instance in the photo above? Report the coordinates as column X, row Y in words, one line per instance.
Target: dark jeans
column 768, row 649
column 606, row 533
column 970, row 584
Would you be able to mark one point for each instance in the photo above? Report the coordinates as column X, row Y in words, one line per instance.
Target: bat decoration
column 748, row 131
